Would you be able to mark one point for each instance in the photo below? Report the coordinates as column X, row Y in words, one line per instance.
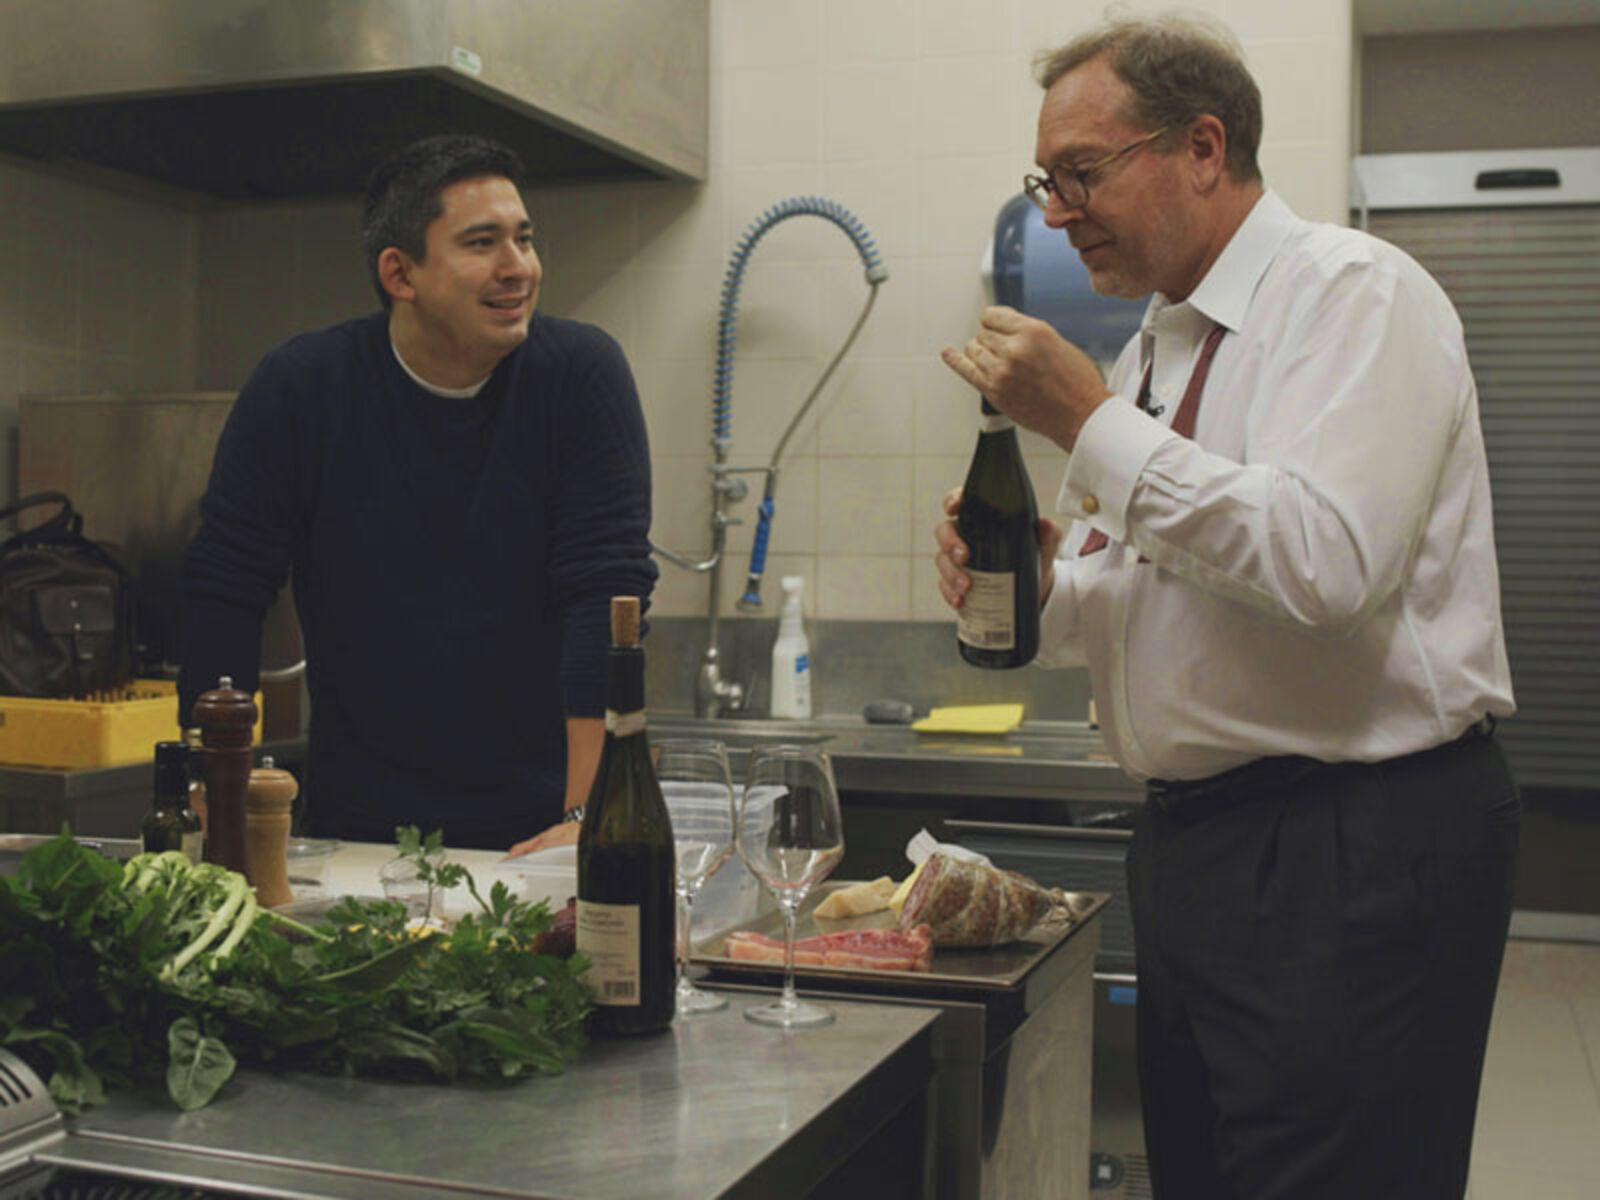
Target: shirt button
column 1091, row 505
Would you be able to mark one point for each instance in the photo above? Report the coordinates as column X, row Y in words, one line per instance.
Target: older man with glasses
column 1287, row 598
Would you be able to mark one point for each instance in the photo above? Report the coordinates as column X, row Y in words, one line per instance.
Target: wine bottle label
column 608, row 936
column 987, row 619
column 194, row 844
column 624, row 724
column 994, row 423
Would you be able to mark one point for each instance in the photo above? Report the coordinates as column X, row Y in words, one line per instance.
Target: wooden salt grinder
column 266, row 833
column 226, row 717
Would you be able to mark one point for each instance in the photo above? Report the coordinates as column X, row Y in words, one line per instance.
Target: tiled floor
column 1538, row 1131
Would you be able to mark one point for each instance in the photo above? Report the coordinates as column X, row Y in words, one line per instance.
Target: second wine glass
column 791, row 836
column 698, row 788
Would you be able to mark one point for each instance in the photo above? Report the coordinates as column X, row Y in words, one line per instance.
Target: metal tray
column 14, row 845
column 979, row 968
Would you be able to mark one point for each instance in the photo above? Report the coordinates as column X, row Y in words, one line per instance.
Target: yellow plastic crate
column 93, row 733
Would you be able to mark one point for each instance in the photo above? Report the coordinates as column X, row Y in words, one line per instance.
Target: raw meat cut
column 970, row 904
column 861, row 949
column 561, row 939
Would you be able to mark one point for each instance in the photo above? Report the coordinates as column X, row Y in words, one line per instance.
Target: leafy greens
column 163, row 971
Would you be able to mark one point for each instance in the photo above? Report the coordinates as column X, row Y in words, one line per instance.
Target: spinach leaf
column 73, row 1083
column 197, row 1065
column 378, row 973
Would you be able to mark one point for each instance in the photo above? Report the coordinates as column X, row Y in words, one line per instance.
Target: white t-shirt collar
column 465, row 393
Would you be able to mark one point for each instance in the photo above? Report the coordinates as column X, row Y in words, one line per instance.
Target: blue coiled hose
column 727, row 335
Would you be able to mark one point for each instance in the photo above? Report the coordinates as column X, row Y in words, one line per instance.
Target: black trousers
column 1317, row 966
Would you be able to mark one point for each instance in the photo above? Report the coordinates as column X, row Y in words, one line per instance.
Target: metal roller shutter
column 1526, row 282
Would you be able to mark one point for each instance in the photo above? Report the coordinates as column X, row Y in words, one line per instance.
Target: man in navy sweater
column 459, row 485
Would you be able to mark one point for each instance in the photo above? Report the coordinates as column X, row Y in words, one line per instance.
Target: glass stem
column 683, row 941
column 789, row 998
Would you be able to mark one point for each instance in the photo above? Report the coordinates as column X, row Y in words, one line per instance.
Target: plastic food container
column 733, row 896
column 401, row 881
column 549, row 875
column 308, row 865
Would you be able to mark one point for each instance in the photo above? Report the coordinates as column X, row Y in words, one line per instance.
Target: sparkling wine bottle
column 626, row 899
column 998, row 624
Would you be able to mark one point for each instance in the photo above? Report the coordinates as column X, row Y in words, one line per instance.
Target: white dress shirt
column 1321, row 577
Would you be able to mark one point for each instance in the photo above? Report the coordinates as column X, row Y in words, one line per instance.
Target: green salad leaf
column 162, row 971
column 197, row 1066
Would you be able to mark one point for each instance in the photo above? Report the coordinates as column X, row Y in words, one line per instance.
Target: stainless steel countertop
column 1048, row 760
column 1044, row 759
column 1038, row 767
column 715, row 1107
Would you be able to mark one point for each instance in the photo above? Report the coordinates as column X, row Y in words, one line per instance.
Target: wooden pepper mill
column 266, row 833
column 226, row 717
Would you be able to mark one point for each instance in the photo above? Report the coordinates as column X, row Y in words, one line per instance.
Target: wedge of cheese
column 858, row 899
column 898, row 900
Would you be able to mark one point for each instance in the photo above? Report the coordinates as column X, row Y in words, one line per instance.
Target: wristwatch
column 572, row 815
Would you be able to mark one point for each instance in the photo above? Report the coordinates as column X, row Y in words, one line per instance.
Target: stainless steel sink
column 739, row 734
column 1042, row 760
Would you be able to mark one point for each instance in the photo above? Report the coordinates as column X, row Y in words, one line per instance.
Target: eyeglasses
column 1073, row 185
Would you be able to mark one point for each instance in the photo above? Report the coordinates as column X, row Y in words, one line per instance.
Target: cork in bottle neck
column 624, row 620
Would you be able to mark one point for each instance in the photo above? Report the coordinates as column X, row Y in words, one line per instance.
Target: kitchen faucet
column 715, row 696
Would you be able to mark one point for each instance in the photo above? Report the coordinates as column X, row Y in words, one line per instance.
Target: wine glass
column 790, row 835
column 698, row 788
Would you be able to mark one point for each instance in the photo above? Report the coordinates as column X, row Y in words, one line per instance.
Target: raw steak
column 561, row 939
column 969, row 904
column 860, row 949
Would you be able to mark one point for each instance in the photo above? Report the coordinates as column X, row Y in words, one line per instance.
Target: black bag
column 66, row 609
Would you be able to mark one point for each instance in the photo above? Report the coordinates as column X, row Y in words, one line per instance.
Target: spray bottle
column 791, row 656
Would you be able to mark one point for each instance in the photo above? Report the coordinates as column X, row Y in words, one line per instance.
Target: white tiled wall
column 917, row 115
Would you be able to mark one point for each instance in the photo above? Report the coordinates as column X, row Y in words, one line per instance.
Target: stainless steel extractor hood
column 279, row 98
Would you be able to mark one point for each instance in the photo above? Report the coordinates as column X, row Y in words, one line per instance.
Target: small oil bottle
column 171, row 824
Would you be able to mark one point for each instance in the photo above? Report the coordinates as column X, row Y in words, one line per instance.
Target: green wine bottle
column 627, row 907
column 998, row 623
column 171, row 824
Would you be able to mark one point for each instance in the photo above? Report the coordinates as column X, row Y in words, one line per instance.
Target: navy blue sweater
column 452, row 563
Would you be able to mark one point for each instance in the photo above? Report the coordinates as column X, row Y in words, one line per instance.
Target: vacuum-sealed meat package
column 974, row 904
